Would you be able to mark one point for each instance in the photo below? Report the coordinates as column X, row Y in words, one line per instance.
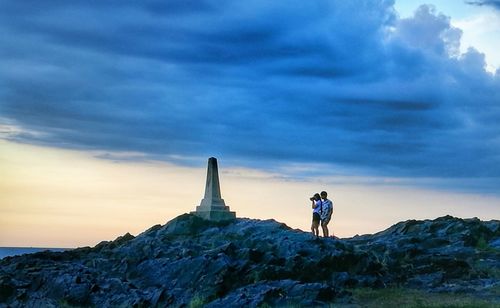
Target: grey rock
column 277, row 293
column 495, row 243
column 248, row 262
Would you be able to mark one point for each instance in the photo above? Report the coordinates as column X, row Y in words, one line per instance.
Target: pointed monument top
column 212, row 206
column 212, row 187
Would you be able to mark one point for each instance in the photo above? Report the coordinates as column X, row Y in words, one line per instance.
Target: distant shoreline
column 16, row 251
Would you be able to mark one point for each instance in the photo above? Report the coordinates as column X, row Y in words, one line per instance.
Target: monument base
column 215, row 215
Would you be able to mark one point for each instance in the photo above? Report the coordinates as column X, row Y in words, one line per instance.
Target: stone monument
column 212, row 206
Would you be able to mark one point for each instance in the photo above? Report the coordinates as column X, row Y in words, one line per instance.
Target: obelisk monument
column 212, row 206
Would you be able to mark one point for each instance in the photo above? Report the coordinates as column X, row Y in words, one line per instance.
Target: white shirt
column 317, row 209
column 327, row 207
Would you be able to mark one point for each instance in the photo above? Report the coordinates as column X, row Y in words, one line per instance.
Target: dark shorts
column 316, row 218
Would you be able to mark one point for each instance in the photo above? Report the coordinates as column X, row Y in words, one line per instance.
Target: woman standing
column 317, row 205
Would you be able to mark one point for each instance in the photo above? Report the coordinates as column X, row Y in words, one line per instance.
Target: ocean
column 14, row 251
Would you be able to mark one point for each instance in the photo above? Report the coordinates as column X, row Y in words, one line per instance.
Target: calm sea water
column 14, row 251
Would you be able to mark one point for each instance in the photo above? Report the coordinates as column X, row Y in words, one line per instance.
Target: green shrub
column 196, row 302
column 481, row 244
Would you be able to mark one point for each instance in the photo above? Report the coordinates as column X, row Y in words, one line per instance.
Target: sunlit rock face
column 246, row 262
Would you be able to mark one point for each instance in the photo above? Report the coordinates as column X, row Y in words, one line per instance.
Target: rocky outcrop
column 193, row 262
column 447, row 254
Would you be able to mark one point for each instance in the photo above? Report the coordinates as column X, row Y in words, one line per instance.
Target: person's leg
column 324, row 226
column 325, row 229
column 315, row 224
column 314, row 229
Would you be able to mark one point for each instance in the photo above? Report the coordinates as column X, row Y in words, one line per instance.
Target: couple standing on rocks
column 322, row 213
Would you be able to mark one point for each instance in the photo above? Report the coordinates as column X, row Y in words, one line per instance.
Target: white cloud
column 483, row 32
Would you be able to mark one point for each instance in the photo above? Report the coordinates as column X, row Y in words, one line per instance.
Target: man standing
column 326, row 213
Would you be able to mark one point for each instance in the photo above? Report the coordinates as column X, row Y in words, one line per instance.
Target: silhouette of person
column 316, row 206
column 326, row 212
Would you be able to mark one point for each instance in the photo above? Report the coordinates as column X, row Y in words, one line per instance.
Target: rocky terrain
column 192, row 262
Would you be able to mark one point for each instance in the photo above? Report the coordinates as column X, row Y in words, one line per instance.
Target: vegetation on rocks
column 409, row 298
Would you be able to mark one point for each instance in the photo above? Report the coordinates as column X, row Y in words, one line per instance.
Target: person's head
column 315, row 197
column 323, row 194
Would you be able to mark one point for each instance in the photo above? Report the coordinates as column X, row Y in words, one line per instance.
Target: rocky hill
column 193, row 262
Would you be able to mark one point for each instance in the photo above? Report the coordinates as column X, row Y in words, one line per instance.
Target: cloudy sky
column 353, row 95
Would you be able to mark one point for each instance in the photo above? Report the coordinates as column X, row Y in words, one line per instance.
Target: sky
column 109, row 111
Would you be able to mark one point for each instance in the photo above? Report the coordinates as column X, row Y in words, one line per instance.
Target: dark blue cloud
column 337, row 83
column 492, row 3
